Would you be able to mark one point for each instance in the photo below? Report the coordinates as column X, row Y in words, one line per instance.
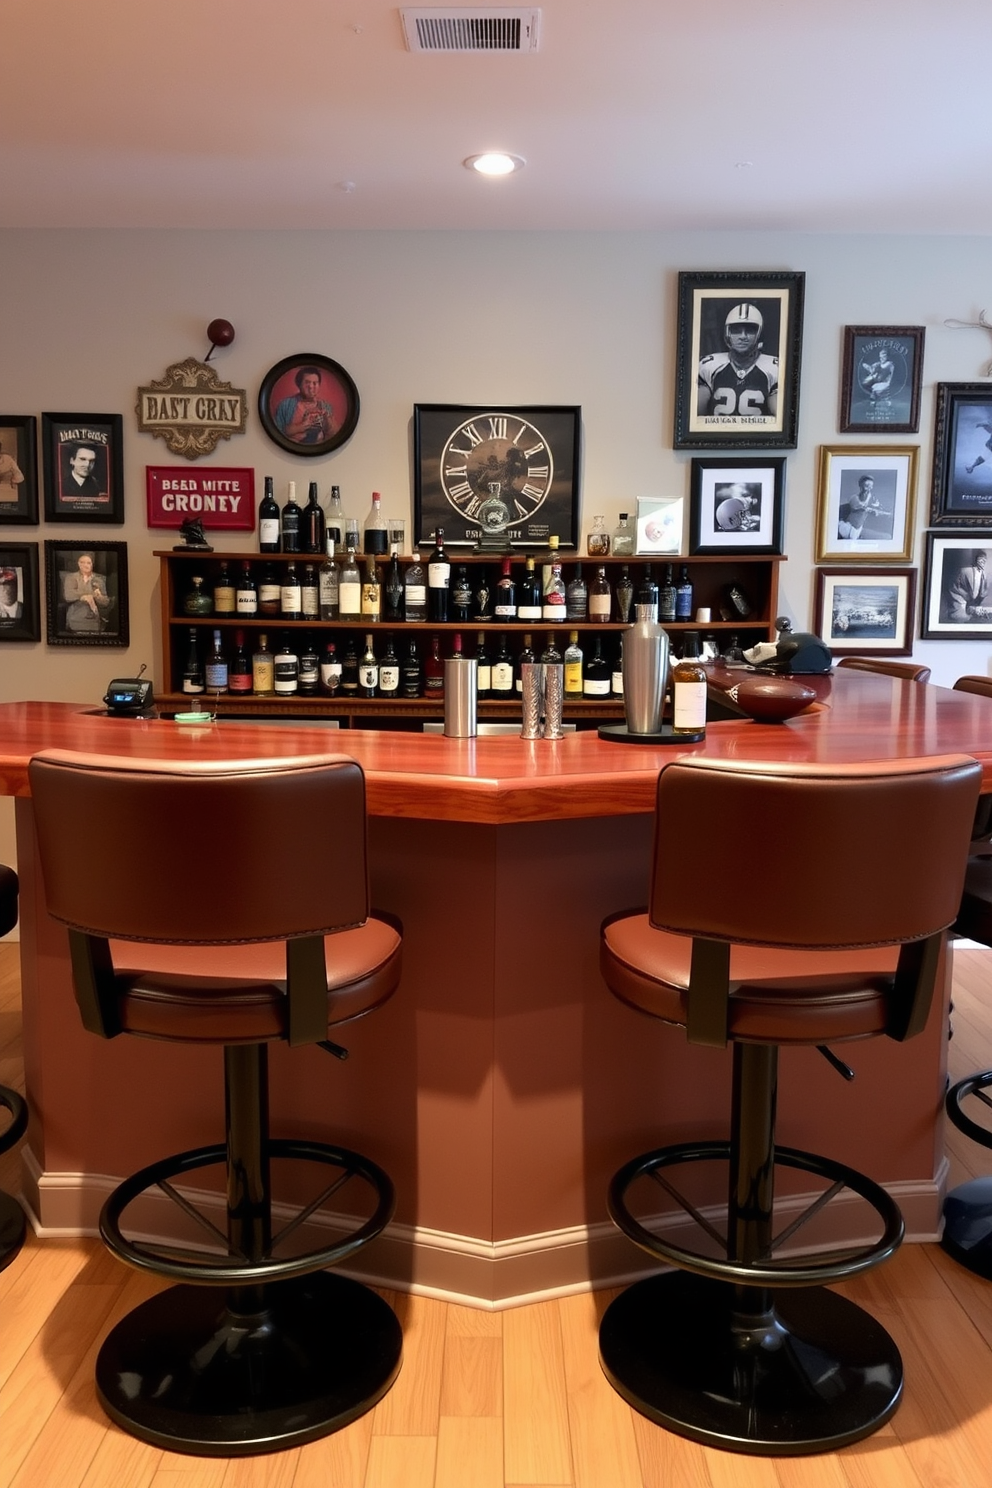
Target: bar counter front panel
column 502, row 1085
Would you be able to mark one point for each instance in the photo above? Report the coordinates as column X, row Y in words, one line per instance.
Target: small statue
column 192, row 536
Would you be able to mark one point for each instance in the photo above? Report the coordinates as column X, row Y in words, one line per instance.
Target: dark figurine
column 192, row 536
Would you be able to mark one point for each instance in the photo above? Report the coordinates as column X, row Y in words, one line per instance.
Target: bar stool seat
column 12, row 1223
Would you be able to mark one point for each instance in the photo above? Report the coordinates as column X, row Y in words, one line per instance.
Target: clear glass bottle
column 438, row 582
column 371, row 593
column 335, row 519
column 646, row 598
column 625, row 594
column 596, row 679
column 502, row 673
column 310, row 593
column 688, row 697
column 577, row 596
column 350, row 589
column 291, row 523
column 239, row 675
column 376, row 534
column 262, row 669
column 327, row 584
column 225, row 599
column 600, row 598
column 216, row 671
column 666, row 598
column 553, row 602
column 198, row 600
column 268, row 520
column 415, row 591
column 290, row 594
column 598, row 539
column 314, row 526
column 529, row 602
column 434, row 672
column 389, row 671
column 683, row 595
column 246, row 595
column 392, row 591
column 368, row 671
column 623, row 537
column 330, row 669
column 309, row 673
column 286, row 665
column 412, row 678
column 573, row 666
column 193, row 678
column 461, row 594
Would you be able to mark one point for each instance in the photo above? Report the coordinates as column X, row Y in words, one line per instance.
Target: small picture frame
column 739, row 344
column 957, row 595
column 857, row 613
column 86, row 592
column 881, row 378
column 961, row 490
column 866, row 503
column 308, row 404
column 659, row 525
column 84, row 467
column 18, row 470
column 20, row 596
column 736, row 505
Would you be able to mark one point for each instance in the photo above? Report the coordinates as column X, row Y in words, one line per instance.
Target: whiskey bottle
column 290, row 594
column 309, row 673
column 292, row 523
column 286, row 667
column 683, row 595
column 224, row 593
column 314, row 526
column 600, row 598
column 310, row 593
column 573, row 666
column 688, row 697
column 646, row 599
column 262, row 669
column 215, row 671
column 268, row 520
column 666, row 598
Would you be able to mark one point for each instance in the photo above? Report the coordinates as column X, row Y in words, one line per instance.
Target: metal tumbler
column 461, row 697
column 645, row 675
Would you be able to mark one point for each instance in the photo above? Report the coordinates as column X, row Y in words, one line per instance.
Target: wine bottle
column 292, row 523
column 389, row 671
column 529, row 603
column 502, row 673
column 596, row 680
column 310, row 593
column 438, row 582
column 262, row 669
column 309, row 673
column 482, row 599
column 553, row 602
column 415, row 591
column 376, row 536
column 349, row 669
column 412, row 680
column 646, row 599
column 268, row 591
column 600, row 598
column 483, row 668
column 239, row 676
column 666, row 598
column 616, row 680
column 434, row 671
column 368, row 671
column 290, row 595
column 224, row 595
column 371, row 593
column 215, row 671
column 330, row 669
column 461, row 594
column 335, row 518
column 268, row 520
column 246, row 597
column 392, row 591
column 506, row 594
column 314, row 525
column 327, row 584
column 287, row 670
column 526, row 658
column 573, row 665
column 683, row 595
column 688, row 697
column 577, row 597
column 624, row 594
column 623, row 537
column 193, row 677
column 350, row 589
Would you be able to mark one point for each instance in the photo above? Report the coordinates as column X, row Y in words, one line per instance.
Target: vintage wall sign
column 191, row 410
column 215, row 496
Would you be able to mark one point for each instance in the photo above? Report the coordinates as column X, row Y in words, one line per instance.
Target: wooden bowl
column 771, row 699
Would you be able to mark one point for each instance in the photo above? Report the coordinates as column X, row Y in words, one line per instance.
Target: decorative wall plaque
column 191, row 409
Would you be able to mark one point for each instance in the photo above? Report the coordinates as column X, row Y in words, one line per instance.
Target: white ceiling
column 846, row 116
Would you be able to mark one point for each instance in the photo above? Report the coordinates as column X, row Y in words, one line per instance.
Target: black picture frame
column 83, row 457
column 531, row 452
column 952, row 610
column 862, row 612
column 736, row 505
column 715, row 405
column 18, row 470
column 107, row 622
column 22, row 592
column 962, row 443
column 881, row 379
column 323, row 428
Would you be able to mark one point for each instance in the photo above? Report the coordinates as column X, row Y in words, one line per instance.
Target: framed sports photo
column 961, row 490
column 496, row 471
column 84, row 467
column 881, row 379
column 857, row 613
column 957, row 596
column 86, row 593
column 18, row 470
column 736, row 505
column 737, row 362
column 308, row 404
column 20, row 602
column 866, row 503
column 659, row 524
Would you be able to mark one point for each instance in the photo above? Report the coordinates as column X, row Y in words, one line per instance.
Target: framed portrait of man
column 308, row 404
column 881, row 380
column 957, row 603
column 20, row 608
column 737, row 368
column 18, row 470
column 961, row 491
column 84, row 467
column 87, row 593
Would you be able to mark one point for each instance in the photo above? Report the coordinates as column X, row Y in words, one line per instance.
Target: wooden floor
column 493, row 1400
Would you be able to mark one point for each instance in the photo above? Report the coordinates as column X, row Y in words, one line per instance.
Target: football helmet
column 743, row 317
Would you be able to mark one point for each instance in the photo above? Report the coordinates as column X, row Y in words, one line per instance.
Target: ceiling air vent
column 493, row 29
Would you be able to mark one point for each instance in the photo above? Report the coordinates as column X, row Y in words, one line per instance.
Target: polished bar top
column 501, row 779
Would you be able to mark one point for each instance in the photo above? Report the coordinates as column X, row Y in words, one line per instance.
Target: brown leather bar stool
column 259, row 1348
column 911, row 671
column 12, row 1227
column 743, row 1347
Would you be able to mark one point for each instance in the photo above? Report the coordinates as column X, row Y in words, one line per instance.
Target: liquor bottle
column 291, row 524
column 529, row 601
column 224, row 595
column 616, row 679
column 314, row 526
column 287, row 670
column 389, row 671
column 392, row 591
column 268, row 591
column 438, row 581
column 596, row 681
column 646, row 599
column 600, row 598
column 368, row 671
column 683, row 595
column 268, row 520
column 290, row 594
column 349, row 669
column 549, row 558
column 666, row 598
column 434, row 671
column 623, row 537
column 526, row 658
column 506, row 594
column 350, row 589
column 327, row 584
column 376, row 536
column 310, row 593
column 483, row 667
column 412, row 680
column 193, row 678
column 309, row 672
column 198, row 600
column 577, row 597
column 482, row 599
column 415, row 591
column 335, row 518
column 598, row 539
column 625, row 594
column 461, row 594
column 215, row 671
column 371, row 593
column 239, row 675
column 263, row 669
column 502, row 673
column 246, row 597
column 330, row 669
column 553, row 601
column 691, row 648
column 573, row 666
column 733, row 655
column 688, row 697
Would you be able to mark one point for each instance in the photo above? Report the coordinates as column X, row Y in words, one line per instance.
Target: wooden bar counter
column 502, row 1085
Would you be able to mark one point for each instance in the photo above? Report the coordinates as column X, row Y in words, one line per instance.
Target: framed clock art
column 494, row 474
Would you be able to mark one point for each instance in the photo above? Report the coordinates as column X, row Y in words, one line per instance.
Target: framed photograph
column 84, row 467
column 20, row 596
column 866, row 503
column 736, row 506
column 659, row 525
column 496, row 471
column 957, row 597
column 881, row 379
column 859, row 613
column 86, row 592
column 18, row 470
column 961, row 491
column 308, row 404
column 737, row 361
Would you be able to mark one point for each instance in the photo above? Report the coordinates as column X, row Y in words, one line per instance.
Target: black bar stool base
column 185, row 1372
column 820, row 1374
column 12, row 1229
column 968, row 1226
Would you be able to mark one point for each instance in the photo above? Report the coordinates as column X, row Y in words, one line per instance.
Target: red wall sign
column 216, row 497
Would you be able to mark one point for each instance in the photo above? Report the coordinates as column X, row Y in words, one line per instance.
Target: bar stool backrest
column 911, row 671
column 981, row 686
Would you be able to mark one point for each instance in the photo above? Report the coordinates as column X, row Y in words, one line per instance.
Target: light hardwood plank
column 412, row 1407
column 667, row 1460
column 600, row 1423
column 402, row 1462
column 273, row 1470
column 123, row 1462
column 337, row 1461
column 472, row 1377
column 469, row 1451
column 535, row 1399
column 180, row 1471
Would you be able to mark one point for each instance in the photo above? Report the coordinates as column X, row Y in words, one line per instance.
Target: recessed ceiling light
column 495, row 163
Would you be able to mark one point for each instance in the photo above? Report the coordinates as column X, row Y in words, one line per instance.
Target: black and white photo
column 962, row 456
column 20, row 609
column 881, row 380
column 958, row 599
column 857, row 613
column 866, row 500
column 86, row 589
column 736, row 505
column 84, row 467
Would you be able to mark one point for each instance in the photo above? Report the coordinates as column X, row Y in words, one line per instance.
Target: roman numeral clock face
column 496, row 470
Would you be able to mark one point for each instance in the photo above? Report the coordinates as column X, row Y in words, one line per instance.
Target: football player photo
column 739, row 379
